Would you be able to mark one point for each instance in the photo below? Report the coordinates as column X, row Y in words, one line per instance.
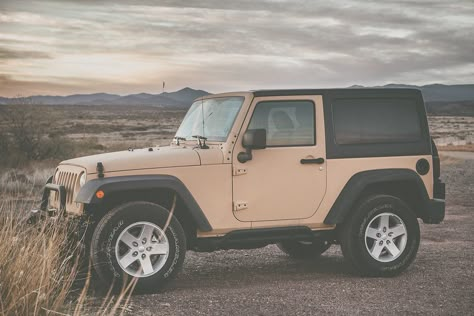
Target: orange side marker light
column 99, row 194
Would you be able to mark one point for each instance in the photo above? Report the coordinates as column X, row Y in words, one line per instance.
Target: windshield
column 210, row 118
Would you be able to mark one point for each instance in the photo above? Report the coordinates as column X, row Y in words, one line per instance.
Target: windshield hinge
column 240, row 205
column 239, row 171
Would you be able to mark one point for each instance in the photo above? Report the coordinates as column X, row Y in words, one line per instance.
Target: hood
column 137, row 159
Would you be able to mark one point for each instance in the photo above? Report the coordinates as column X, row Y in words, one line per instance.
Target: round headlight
column 82, row 180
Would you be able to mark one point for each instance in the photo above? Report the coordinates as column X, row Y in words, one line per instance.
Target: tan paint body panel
column 138, row 159
column 339, row 171
column 211, row 156
column 268, row 187
column 210, row 186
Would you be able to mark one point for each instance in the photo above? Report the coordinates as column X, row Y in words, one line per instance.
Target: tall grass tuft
column 40, row 265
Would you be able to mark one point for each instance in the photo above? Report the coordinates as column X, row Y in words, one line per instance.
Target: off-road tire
column 107, row 231
column 302, row 250
column 353, row 238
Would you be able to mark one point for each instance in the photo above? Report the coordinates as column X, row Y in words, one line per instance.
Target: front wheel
column 131, row 241
column 381, row 237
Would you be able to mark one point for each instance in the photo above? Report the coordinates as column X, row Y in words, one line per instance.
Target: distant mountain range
column 440, row 99
column 181, row 98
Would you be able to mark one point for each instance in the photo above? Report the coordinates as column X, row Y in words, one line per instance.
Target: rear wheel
column 304, row 249
column 381, row 237
column 131, row 241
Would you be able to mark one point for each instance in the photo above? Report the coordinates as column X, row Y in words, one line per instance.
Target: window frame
column 283, row 101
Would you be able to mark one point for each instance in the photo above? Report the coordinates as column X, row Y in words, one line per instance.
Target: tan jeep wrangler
column 302, row 169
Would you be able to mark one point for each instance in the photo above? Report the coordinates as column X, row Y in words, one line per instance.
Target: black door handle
column 312, row 160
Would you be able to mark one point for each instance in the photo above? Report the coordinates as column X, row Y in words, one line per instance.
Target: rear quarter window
column 375, row 120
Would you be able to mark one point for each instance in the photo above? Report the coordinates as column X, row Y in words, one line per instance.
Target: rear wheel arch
column 406, row 190
column 404, row 184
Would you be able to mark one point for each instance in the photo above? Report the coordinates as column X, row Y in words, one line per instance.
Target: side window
column 371, row 121
column 288, row 123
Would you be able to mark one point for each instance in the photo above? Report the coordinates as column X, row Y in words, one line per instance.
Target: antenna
column 202, row 114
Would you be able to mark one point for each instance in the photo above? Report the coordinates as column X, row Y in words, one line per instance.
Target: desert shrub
column 87, row 146
column 26, row 182
column 25, row 134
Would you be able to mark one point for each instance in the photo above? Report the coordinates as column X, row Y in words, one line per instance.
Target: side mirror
column 253, row 139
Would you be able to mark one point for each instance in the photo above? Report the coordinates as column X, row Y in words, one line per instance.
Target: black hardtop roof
column 390, row 92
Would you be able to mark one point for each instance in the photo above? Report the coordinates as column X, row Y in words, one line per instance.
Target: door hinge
column 240, row 205
column 239, row 171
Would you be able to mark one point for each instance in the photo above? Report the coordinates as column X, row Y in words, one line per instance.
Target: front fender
column 87, row 194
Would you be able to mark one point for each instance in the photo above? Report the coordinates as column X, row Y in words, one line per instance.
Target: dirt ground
column 266, row 282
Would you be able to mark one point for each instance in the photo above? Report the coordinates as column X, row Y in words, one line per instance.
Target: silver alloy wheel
column 386, row 237
column 141, row 249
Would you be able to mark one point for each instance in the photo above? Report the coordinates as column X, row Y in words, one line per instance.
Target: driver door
column 287, row 179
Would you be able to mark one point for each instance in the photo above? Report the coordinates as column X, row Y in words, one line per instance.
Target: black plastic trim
column 269, row 234
column 306, row 161
column 436, row 211
column 61, row 191
column 136, row 183
column 436, row 161
column 260, row 237
column 422, row 166
column 356, row 185
column 439, row 190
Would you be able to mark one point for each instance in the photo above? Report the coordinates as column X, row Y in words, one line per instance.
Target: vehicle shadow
column 248, row 267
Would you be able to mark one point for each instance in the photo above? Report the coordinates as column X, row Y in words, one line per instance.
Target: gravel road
column 267, row 282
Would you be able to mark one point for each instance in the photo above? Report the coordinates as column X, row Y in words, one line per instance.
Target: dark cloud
column 13, row 87
column 22, row 54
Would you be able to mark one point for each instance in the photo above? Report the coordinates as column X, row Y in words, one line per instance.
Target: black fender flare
column 360, row 181
column 87, row 194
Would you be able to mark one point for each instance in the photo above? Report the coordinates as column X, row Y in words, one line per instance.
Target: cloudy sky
column 65, row 46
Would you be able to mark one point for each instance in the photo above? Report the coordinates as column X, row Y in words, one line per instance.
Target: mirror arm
column 243, row 157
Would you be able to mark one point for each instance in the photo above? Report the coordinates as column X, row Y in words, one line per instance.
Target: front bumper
column 436, row 207
column 45, row 210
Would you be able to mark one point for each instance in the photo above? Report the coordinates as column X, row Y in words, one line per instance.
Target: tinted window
column 288, row 123
column 365, row 121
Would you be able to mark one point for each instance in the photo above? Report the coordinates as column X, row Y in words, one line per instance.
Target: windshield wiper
column 178, row 138
column 201, row 141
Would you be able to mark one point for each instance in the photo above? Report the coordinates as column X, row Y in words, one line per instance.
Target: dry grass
column 39, row 268
column 38, row 264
